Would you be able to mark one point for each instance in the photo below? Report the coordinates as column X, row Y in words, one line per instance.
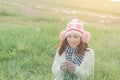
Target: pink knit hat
column 77, row 28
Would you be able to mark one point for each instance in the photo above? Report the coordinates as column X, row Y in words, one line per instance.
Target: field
column 29, row 36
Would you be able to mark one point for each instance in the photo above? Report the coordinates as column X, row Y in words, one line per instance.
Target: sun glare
column 115, row 0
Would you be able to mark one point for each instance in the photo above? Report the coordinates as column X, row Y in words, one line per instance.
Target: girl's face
column 73, row 40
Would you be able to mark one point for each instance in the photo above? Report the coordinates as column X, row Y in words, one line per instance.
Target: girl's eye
column 69, row 36
column 76, row 36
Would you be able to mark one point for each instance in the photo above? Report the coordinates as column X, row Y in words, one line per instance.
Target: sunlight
column 115, row 0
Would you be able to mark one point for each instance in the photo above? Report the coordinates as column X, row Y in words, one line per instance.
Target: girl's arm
column 56, row 66
column 88, row 70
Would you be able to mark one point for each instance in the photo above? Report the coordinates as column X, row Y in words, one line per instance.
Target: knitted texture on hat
column 62, row 35
column 77, row 28
column 75, row 23
column 86, row 37
column 74, row 27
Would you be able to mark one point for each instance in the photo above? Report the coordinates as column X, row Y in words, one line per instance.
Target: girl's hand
column 68, row 66
column 64, row 66
column 71, row 67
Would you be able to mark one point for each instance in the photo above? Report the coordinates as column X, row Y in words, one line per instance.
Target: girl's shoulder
column 89, row 51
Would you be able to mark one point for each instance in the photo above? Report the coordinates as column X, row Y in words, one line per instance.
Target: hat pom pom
column 75, row 20
column 62, row 35
column 86, row 37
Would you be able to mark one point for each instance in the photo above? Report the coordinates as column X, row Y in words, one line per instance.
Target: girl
column 73, row 58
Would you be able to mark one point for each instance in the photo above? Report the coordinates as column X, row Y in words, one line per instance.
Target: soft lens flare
column 115, row 0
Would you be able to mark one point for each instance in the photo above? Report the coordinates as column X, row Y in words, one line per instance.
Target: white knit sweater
column 86, row 68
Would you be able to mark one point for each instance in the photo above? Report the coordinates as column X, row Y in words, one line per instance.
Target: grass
column 28, row 42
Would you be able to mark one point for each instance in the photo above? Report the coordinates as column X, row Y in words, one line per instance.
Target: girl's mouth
column 72, row 43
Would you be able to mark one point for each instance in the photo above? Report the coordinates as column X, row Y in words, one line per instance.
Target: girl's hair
column 81, row 47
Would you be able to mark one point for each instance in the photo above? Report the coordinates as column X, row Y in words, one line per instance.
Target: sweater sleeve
column 56, row 66
column 88, row 70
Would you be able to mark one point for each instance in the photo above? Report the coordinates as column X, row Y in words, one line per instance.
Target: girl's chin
column 73, row 46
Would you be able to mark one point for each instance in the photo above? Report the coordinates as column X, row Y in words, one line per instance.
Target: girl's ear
column 86, row 37
column 62, row 35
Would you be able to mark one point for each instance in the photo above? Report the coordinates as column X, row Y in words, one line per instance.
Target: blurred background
column 29, row 36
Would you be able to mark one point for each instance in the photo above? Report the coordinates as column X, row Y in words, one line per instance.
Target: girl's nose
column 72, row 39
